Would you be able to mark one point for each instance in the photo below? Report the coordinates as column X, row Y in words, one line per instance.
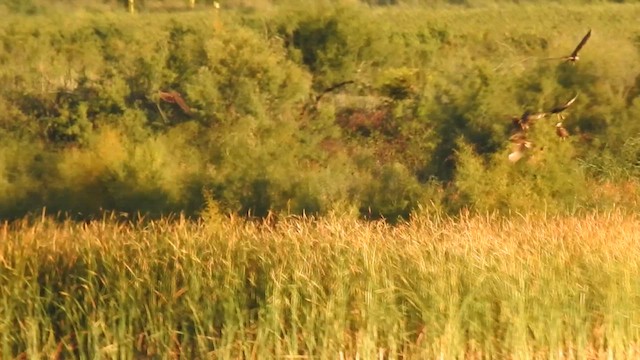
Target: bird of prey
column 332, row 88
column 573, row 57
column 313, row 103
column 518, row 137
column 520, row 145
column 560, row 108
column 561, row 131
column 527, row 119
column 175, row 98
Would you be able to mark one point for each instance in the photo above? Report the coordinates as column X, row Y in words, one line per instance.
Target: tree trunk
column 131, row 6
column 192, row 3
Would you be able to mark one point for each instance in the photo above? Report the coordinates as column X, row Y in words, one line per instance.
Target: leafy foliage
column 314, row 107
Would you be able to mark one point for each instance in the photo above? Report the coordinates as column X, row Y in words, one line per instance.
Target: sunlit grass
column 470, row 286
column 521, row 287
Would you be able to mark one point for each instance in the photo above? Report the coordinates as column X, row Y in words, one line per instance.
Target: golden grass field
column 521, row 287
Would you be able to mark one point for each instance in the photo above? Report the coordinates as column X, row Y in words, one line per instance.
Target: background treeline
column 44, row 6
column 425, row 125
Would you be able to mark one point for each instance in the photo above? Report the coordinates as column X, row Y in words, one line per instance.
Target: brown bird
column 175, row 98
column 561, row 131
column 560, row 108
column 520, row 145
column 527, row 119
column 332, row 88
column 315, row 100
column 574, row 55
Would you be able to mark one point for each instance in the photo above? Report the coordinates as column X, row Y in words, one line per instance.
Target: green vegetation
column 425, row 124
column 475, row 287
column 417, row 134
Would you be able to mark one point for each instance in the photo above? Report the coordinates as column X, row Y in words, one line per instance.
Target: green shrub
column 266, row 131
column 547, row 179
column 393, row 193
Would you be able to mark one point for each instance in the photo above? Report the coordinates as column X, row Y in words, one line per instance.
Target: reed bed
column 521, row 287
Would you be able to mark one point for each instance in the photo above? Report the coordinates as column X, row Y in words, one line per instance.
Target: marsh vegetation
column 318, row 179
column 533, row 286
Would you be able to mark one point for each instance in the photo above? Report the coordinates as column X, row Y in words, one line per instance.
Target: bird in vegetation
column 573, row 57
column 332, row 88
column 520, row 145
column 527, row 119
column 560, row 108
column 561, row 131
column 313, row 103
column 175, row 98
column 517, row 154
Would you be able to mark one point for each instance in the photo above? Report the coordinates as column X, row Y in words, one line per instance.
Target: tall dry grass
column 526, row 286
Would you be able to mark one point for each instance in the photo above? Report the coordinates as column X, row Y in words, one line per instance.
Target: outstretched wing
column 183, row 105
column 166, row 96
column 563, row 107
column 175, row 97
column 332, row 88
column 581, row 44
column 519, row 138
column 537, row 116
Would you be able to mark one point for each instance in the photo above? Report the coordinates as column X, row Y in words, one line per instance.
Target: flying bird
column 560, row 108
column 527, row 119
column 520, row 145
column 518, row 138
column 522, row 124
column 175, row 98
column 561, row 131
column 574, row 55
column 315, row 100
column 332, row 88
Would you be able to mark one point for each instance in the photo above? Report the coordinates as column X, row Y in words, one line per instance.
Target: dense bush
column 316, row 108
